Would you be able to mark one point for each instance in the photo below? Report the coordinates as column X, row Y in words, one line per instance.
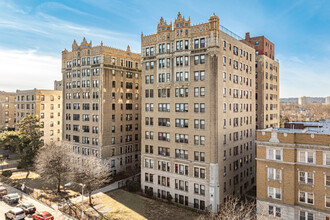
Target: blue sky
column 33, row 33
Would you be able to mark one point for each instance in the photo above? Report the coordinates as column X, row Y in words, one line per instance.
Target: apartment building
column 101, row 113
column 267, row 82
column 293, row 171
column 198, row 113
column 7, row 110
column 45, row 104
column 58, row 85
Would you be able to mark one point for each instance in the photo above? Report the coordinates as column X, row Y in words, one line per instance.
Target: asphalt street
column 4, row 207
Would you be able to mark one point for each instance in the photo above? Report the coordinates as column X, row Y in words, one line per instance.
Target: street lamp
column 82, row 196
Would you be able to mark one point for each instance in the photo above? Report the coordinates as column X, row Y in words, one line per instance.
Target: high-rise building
column 45, row 104
column 267, row 82
column 304, row 100
column 198, row 113
column 101, row 104
column 293, row 171
column 327, row 100
column 7, row 110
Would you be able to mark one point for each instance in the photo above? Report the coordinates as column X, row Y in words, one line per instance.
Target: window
column 196, row 59
column 181, row 169
column 274, row 174
column 306, row 156
column 326, row 158
column 274, row 193
column 306, row 197
column 202, row 59
column 327, row 201
column 327, row 180
column 274, row 154
column 181, row 107
column 183, row 154
column 274, row 211
column 202, row 75
column 181, row 138
column 306, row 215
column 196, row 43
column 305, row 177
column 202, row 42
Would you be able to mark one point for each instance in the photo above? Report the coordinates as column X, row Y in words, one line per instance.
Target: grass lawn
column 39, row 184
column 125, row 205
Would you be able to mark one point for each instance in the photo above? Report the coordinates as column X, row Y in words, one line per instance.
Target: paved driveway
column 4, row 207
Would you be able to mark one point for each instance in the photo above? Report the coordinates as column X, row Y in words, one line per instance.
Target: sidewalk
column 111, row 187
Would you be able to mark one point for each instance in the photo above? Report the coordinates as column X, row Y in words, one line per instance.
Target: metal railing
column 229, row 32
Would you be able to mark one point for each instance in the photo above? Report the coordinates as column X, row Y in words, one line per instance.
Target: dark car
column 43, row 215
column 11, row 198
column 3, row 191
column 28, row 208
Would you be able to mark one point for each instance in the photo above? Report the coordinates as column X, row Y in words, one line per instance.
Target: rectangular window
column 202, row 59
column 274, row 193
column 306, row 177
column 196, row 43
column 306, row 215
column 274, row 211
column 306, row 197
column 326, row 158
column 306, row 156
column 196, row 60
column 274, row 174
column 202, row 42
column 274, row 154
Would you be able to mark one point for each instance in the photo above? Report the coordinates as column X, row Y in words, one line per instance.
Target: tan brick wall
column 7, row 110
column 291, row 143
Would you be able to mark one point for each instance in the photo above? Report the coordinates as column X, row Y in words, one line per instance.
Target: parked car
column 28, row 208
column 11, row 198
column 43, row 215
column 3, row 191
column 15, row 214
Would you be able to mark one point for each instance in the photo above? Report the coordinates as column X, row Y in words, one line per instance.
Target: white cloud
column 304, row 76
column 28, row 70
column 48, row 28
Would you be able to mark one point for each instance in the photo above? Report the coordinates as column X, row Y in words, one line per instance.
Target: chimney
column 247, row 35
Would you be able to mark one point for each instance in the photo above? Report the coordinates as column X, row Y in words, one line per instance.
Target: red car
column 3, row 191
column 43, row 215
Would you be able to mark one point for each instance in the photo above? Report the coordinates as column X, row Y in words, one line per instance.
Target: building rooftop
column 318, row 127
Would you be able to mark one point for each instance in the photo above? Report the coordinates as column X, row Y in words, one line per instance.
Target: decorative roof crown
column 84, row 44
column 163, row 26
column 180, row 21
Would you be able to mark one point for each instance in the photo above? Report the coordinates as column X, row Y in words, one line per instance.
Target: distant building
column 305, row 100
column 267, row 82
column 58, row 85
column 102, row 104
column 47, row 105
column 7, row 110
column 327, row 100
column 293, row 171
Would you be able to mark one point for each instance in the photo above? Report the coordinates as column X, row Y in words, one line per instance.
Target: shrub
column 19, row 165
column 149, row 192
column 133, row 186
column 169, row 198
column 7, row 173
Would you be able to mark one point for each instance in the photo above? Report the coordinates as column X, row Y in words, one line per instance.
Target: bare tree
column 53, row 164
column 90, row 171
column 236, row 209
column 233, row 209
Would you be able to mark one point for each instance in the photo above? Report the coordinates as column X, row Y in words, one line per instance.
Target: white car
column 15, row 214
